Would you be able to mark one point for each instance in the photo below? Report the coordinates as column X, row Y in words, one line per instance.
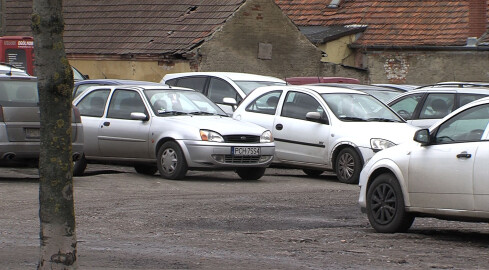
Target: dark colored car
column 20, row 122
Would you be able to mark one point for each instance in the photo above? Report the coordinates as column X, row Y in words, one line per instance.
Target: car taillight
column 1, row 113
column 76, row 115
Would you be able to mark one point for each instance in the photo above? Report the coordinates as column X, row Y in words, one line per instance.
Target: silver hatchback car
column 170, row 130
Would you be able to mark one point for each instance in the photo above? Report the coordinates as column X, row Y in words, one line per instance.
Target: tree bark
column 55, row 84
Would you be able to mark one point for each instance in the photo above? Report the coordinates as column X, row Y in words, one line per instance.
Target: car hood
column 362, row 132
column 220, row 124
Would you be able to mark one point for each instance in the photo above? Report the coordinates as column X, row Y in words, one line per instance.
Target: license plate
column 245, row 151
column 32, row 133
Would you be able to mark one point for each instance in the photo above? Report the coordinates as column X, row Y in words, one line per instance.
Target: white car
column 226, row 89
column 424, row 106
column 319, row 128
column 442, row 173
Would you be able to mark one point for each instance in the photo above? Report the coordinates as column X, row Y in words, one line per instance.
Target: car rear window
column 18, row 93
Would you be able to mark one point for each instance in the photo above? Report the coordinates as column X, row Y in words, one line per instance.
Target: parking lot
column 215, row 220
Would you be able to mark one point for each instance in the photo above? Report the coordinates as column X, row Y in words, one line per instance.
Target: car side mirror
column 422, row 136
column 316, row 117
column 139, row 116
column 229, row 101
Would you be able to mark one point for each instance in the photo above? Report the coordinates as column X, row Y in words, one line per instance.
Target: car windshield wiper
column 351, row 118
column 201, row 113
column 380, row 119
column 171, row 113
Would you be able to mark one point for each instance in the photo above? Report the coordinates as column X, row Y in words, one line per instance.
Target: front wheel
column 250, row 173
column 171, row 161
column 348, row 166
column 385, row 205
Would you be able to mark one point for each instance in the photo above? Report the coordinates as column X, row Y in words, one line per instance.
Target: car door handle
column 464, row 155
column 106, row 124
column 279, row 127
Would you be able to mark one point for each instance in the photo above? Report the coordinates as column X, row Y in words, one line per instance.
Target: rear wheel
column 79, row 166
column 313, row 173
column 250, row 173
column 385, row 205
column 146, row 169
column 171, row 161
column 348, row 166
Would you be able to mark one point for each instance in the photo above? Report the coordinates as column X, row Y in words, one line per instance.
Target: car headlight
column 266, row 137
column 211, row 136
column 380, row 144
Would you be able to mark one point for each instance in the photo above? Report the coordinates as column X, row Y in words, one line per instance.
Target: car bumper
column 14, row 152
column 202, row 154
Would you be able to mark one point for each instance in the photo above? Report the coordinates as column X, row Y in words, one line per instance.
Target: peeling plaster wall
column 260, row 39
column 427, row 67
column 130, row 70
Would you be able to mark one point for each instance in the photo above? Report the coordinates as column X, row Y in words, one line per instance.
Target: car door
column 481, row 159
column 441, row 175
column 434, row 107
column 298, row 140
column 219, row 89
column 119, row 135
column 92, row 110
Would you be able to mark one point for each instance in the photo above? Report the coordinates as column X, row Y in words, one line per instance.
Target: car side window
column 125, row 102
column 196, row 83
column 467, row 126
column 297, row 105
column 266, row 103
column 437, row 106
column 467, row 98
column 406, row 106
column 82, row 87
column 220, row 89
column 93, row 104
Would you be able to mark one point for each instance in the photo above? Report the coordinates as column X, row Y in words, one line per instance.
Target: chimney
column 477, row 17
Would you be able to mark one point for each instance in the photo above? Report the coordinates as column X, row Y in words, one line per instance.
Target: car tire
column 250, row 173
column 385, row 205
column 313, row 173
column 171, row 161
column 348, row 166
column 146, row 169
column 79, row 166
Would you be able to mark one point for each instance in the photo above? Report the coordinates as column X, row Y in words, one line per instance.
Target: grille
column 241, row 139
column 241, row 159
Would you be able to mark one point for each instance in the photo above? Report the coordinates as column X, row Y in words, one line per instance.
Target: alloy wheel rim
column 383, row 204
column 346, row 165
column 169, row 160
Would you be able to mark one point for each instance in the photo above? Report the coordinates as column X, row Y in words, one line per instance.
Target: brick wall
column 428, row 67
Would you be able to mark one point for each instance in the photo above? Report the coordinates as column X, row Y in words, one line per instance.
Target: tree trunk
column 55, row 84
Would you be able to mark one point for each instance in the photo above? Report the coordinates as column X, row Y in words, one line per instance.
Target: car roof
column 316, row 88
column 114, row 82
column 7, row 68
column 234, row 76
column 359, row 86
column 475, row 89
column 138, row 87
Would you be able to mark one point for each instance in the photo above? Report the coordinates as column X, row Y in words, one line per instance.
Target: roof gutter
column 419, row 48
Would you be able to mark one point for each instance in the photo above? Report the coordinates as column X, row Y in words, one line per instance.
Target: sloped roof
column 128, row 26
column 389, row 22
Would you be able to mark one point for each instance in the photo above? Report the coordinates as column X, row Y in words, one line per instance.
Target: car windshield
column 359, row 107
column 18, row 93
column 179, row 102
column 249, row 86
column 382, row 95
